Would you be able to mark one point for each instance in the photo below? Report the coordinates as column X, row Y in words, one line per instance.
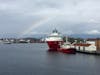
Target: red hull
column 69, row 50
column 54, row 45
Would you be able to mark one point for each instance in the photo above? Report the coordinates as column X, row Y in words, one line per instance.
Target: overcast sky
column 41, row 16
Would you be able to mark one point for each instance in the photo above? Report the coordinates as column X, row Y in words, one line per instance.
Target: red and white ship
column 56, row 43
column 54, row 40
column 67, row 48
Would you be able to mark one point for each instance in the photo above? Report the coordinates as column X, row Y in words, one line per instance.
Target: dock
column 88, row 52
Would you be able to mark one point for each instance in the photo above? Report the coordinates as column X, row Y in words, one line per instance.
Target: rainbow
column 35, row 25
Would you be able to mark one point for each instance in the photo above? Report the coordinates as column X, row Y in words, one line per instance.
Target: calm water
column 33, row 59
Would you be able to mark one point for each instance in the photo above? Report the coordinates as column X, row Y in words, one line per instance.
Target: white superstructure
column 54, row 36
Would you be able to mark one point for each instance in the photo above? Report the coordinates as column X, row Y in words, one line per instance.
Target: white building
column 89, row 47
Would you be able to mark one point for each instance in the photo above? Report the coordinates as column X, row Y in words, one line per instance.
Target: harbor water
column 34, row 59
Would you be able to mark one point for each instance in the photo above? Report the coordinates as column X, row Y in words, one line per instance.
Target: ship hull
column 53, row 45
column 67, row 50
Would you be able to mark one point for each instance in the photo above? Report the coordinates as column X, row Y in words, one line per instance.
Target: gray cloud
column 69, row 16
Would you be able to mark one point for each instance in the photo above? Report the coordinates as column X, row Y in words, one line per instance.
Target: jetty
column 90, row 46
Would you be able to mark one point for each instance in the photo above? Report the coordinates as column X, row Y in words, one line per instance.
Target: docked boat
column 6, row 41
column 56, row 43
column 54, row 40
column 67, row 48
